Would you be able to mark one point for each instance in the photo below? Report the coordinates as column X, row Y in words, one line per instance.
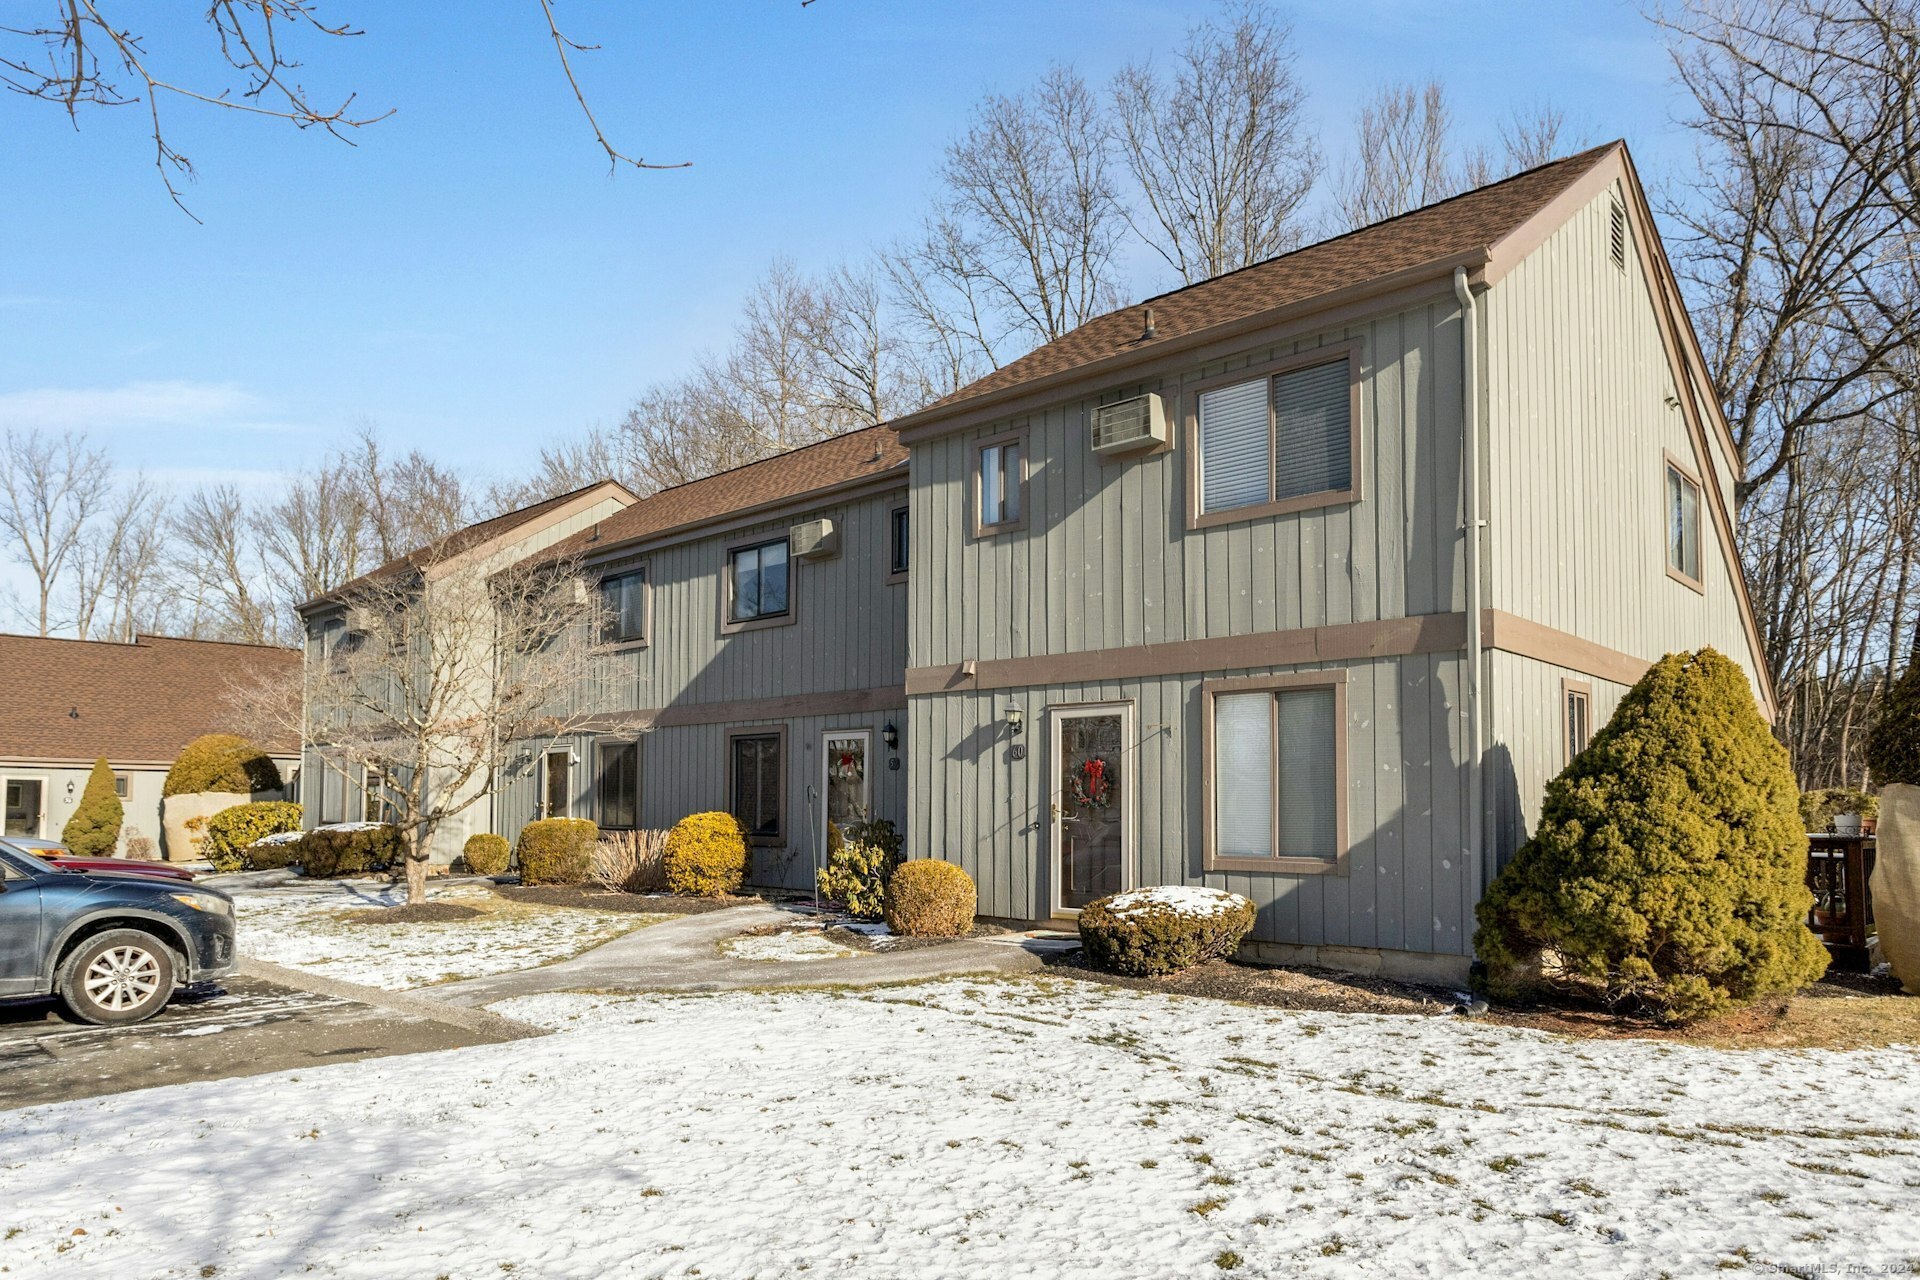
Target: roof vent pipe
column 1148, row 330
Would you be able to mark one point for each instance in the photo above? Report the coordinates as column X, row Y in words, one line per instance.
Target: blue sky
column 469, row 277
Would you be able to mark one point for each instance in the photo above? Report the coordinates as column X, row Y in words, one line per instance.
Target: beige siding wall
column 1526, row 742
column 1106, row 560
column 1578, row 429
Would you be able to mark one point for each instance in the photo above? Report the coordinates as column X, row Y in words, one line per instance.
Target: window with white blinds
column 1273, row 439
column 1243, row 775
column 1235, row 447
column 1313, row 431
column 1276, row 774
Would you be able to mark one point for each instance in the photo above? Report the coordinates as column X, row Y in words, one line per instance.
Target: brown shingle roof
column 870, row 451
column 137, row 702
column 454, row 543
column 1473, row 220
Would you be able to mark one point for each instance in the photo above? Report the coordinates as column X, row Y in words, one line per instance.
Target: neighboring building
column 66, row 703
column 460, row 562
column 1263, row 654
column 1190, row 596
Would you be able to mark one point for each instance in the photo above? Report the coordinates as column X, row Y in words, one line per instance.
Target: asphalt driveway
column 245, row 1026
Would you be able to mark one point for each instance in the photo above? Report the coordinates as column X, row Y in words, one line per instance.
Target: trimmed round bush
column 1668, row 869
column 706, row 856
column 221, row 762
column 557, row 851
column 928, row 898
column 350, row 849
column 232, row 831
column 487, row 854
column 94, row 828
column 1145, row 932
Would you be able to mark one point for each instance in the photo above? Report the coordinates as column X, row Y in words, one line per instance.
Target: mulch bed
column 425, row 913
column 589, row 898
column 1314, row 990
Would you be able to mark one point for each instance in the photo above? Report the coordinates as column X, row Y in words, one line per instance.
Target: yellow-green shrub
column 94, row 828
column 556, row 851
column 221, row 762
column 487, row 854
column 1669, row 864
column 351, row 849
column 1143, row 932
column 856, row 878
column 706, row 855
column 232, row 831
column 1819, row 808
column 927, row 898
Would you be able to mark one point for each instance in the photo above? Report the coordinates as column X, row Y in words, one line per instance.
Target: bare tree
column 51, row 486
column 1401, row 158
column 216, row 557
column 1221, row 153
column 117, row 556
column 446, row 673
column 313, row 536
column 405, row 502
column 1022, row 244
column 80, row 56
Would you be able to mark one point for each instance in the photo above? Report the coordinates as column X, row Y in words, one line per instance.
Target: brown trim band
column 1353, row 641
column 1510, row 633
column 843, row 702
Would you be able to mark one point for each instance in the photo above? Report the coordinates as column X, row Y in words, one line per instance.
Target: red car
column 56, row 853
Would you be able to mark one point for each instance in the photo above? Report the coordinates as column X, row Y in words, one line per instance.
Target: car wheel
column 117, row 977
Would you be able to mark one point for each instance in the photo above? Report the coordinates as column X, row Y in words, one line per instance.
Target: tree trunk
column 419, row 850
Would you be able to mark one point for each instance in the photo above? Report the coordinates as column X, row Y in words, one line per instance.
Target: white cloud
column 137, row 405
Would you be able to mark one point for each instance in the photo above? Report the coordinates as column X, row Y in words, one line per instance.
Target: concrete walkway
column 681, row 955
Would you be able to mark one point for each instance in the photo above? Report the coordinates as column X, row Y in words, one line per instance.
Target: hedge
column 1144, row 932
column 487, row 854
column 221, row 762
column 232, row 832
column 706, row 855
column 928, row 898
column 351, row 848
column 557, row 851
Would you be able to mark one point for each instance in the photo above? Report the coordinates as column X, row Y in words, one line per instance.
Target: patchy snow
column 298, row 924
column 278, row 837
column 1189, row 900
column 785, row 946
column 352, row 826
column 985, row 1129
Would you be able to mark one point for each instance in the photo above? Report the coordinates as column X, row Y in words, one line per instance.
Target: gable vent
column 1139, row 423
column 1617, row 236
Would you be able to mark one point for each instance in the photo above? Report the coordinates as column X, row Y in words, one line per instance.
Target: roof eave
column 929, row 423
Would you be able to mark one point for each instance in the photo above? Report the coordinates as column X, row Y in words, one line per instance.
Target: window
column 623, row 600
column 1276, row 762
column 556, row 785
column 616, row 785
column 1000, row 484
column 1683, row 525
column 757, row 582
column 753, row 782
column 1283, row 442
column 121, row 785
column 1576, row 716
column 333, row 794
column 897, row 543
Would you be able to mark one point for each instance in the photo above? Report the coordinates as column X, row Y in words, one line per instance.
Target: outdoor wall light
column 1016, row 720
column 890, row 736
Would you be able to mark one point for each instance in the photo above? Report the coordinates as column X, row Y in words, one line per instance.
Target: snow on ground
column 1016, row 1128
column 785, row 946
column 299, row 924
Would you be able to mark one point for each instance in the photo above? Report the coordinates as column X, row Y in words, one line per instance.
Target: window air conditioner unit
column 1129, row 425
column 814, row 540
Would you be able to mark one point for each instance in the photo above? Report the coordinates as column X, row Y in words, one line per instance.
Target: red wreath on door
column 1091, row 786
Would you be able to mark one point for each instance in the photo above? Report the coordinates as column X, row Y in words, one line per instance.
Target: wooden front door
column 1092, row 803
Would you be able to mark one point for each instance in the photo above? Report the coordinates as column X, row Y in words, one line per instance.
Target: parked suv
column 114, row 948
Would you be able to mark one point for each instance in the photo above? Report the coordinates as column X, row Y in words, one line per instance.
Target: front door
column 846, row 785
column 1092, row 803
column 556, row 799
column 24, row 796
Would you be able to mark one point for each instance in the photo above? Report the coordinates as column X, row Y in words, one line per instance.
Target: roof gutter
column 929, row 422
column 1475, row 531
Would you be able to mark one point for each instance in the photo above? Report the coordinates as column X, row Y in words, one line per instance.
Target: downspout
column 1470, row 463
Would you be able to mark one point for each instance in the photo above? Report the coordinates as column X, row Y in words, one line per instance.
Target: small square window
column 897, row 542
column 623, row 601
column 122, row 785
column 758, row 586
column 1683, row 525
